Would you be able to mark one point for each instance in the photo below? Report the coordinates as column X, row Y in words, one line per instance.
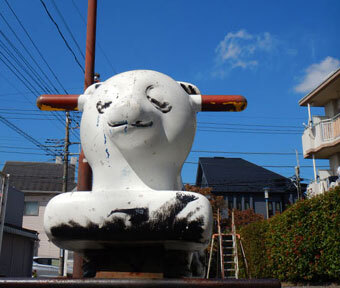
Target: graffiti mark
column 100, row 106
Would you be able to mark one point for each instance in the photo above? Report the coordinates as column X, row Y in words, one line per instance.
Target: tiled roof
column 38, row 176
column 239, row 175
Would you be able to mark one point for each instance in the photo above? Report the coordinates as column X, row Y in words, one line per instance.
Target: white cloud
column 240, row 49
column 316, row 73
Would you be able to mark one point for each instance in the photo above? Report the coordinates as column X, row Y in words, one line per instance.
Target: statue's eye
column 101, row 106
column 162, row 106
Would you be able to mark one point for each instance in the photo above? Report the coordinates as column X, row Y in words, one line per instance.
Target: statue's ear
column 191, row 89
column 194, row 94
column 88, row 92
column 199, row 102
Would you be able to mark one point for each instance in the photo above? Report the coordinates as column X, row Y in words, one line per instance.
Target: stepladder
column 226, row 252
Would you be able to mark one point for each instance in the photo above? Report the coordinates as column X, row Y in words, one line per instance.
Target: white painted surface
column 136, row 131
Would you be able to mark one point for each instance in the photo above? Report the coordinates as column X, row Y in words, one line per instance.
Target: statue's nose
column 127, row 111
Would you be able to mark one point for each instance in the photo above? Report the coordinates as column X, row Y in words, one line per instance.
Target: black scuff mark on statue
column 101, row 106
column 159, row 226
column 137, row 215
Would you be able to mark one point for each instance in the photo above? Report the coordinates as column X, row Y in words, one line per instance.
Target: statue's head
column 144, row 116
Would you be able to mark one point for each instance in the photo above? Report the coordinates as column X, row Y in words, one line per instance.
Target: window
column 230, row 203
column 239, row 204
column 31, row 208
column 277, row 207
column 270, row 208
column 246, row 204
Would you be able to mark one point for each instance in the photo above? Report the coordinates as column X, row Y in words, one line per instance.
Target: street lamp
column 266, row 197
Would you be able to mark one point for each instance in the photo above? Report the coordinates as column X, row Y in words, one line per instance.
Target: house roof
column 38, row 176
column 324, row 93
column 239, row 175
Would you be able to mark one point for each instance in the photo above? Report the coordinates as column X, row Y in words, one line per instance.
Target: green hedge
column 301, row 244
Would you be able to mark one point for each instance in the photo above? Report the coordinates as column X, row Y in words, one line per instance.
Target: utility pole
column 84, row 169
column 297, row 176
column 4, row 183
column 65, row 178
column 266, row 197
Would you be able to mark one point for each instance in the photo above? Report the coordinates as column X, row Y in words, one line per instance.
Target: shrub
column 301, row 244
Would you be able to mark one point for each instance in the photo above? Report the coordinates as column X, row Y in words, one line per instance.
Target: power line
column 98, row 43
column 16, row 60
column 17, row 74
column 250, row 125
column 247, row 153
column 22, row 79
column 68, row 28
column 23, row 45
column 21, row 153
column 28, row 137
column 36, row 75
column 36, row 48
column 249, row 129
column 248, row 132
column 62, row 36
column 266, row 166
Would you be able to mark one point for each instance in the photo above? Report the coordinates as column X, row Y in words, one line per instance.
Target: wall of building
column 256, row 201
column 334, row 163
column 45, row 247
column 14, row 207
column 332, row 108
column 16, row 256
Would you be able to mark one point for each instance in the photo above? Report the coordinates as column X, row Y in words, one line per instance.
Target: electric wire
column 23, row 45
column 27, row 136
column 68, row 29
column 62, row 36
column 249, row 125
column 247, row 153
column 98, row 43
column 27, row 34
column 29, row 66
column 23, row 68
column 249, row 132
column 23, row 79
column 36, row 48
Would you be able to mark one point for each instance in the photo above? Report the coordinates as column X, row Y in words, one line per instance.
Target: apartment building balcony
column 322, row 138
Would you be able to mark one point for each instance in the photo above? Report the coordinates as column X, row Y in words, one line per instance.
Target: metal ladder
column 227, row 247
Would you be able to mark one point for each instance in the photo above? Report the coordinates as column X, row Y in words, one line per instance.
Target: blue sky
column 272, row 52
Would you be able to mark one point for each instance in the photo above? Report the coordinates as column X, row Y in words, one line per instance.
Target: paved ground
column 291, row 285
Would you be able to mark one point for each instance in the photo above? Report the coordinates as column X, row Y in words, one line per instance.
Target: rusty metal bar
column 139, row 283
column 90, row 42
column 234, row 103
column 84, row 169
column 55, row 102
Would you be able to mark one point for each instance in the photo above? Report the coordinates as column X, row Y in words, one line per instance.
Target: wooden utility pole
column 65, row 179
column 84, row 169
column 297, row 175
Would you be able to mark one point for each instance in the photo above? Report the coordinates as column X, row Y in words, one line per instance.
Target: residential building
column 321, row 138
column 17, row 243
column 40, row 182
column 242, row 184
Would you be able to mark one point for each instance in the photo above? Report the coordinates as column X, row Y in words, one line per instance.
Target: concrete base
column 142, row 260
column 138, row 283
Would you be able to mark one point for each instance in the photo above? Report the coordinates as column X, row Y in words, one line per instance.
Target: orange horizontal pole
column 55, row 102
column 234, row 103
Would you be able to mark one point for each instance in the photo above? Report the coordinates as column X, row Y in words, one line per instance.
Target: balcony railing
column 330, row 128
column 324, row 131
